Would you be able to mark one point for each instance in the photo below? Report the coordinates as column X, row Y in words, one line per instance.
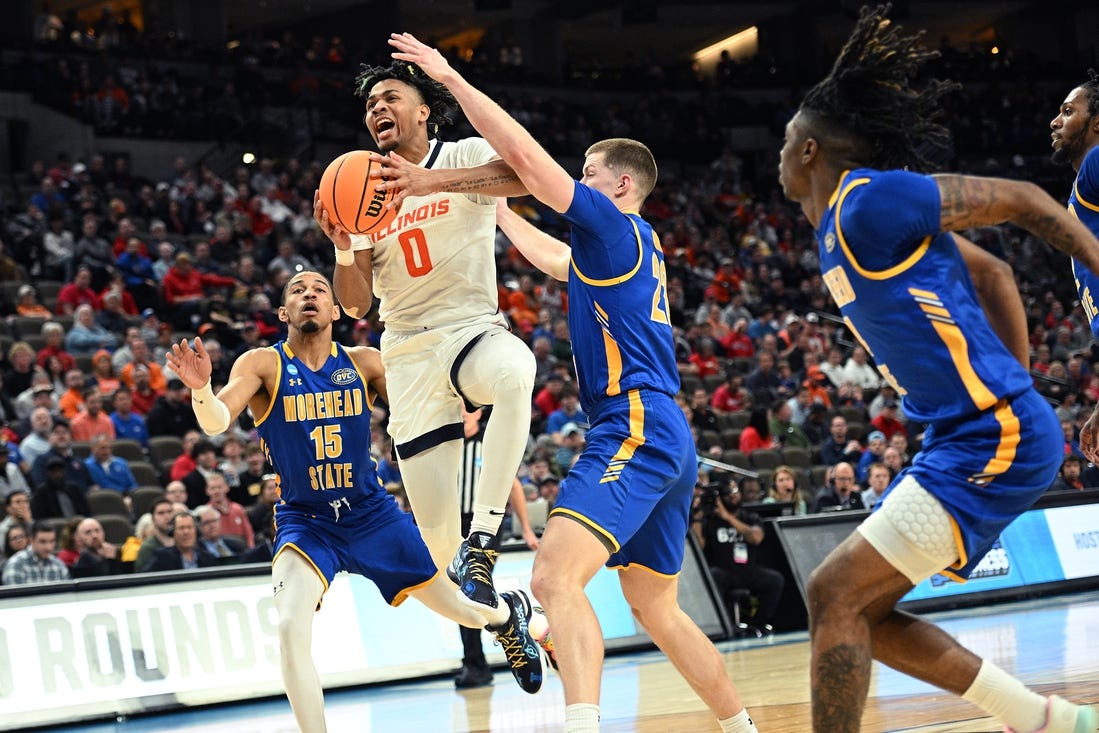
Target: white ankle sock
column 739, row 723
column 1007, row 699
column 582, row 717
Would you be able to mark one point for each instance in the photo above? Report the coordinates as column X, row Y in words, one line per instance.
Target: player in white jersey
column 445, row 342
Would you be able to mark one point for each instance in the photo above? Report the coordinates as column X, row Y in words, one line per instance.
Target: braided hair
column 866, row 109
column 437, row 97
column 1091, row 86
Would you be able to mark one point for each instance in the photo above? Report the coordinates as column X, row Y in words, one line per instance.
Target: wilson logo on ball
column 348, row 194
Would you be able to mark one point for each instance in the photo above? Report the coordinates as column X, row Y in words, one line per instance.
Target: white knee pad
column 912, row 531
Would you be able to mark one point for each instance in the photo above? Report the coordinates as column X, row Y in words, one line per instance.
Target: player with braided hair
column 445, row 343
column 1075, row 134
column 946, row 326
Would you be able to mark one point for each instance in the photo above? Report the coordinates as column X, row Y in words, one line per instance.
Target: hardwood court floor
column 1052, row 644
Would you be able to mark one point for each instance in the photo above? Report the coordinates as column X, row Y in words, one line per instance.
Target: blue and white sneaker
column 523, row 653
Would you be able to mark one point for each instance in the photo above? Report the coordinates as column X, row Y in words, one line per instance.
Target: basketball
column 348, row 195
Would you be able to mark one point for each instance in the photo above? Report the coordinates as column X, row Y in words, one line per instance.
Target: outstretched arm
column 974, row 201
column 539, row 172
column 494, row 178
column 549, row 255
column 353, row 278
column 999, row 296
column 216, row 413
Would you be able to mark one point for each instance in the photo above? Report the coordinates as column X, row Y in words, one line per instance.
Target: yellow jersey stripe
column 873, row 274
column 1081, row 199
column 278, row 385
column 963, row 556
column 958, row 347
column 621, row 278
column 924, row 294
column 935, row 310
column 1009, row 440
column 637, row 431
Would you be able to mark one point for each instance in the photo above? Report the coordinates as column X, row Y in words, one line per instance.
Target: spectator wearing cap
column 887, row 420
column 61, row 447
column 876, row 444
column 39, row 394
column 103, row 376
column 27, row 305
column 816, row 382
column 572, row 443
column 1068, row 477
column 150, row 326
column 86, row 336
column 92, row 422
column 171, row 413
column 815, row 426
column 55, row 495
column 548, row 488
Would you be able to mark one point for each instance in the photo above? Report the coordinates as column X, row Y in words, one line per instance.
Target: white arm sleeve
column 213, row 415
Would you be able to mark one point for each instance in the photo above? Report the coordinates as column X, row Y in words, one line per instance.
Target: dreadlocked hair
column 866, row 107
column 437, row 97
column 1092, row 88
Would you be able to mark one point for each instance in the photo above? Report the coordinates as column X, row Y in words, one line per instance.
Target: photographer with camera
column 730, row 536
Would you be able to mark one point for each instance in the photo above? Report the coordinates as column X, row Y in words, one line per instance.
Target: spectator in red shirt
column 737, row 343
column 144, row 396
column 730, row 395
column 704, row 359
column 757, row 434
column 77, row 293
column 548, row 400
column 184, row 290
column 54, row 334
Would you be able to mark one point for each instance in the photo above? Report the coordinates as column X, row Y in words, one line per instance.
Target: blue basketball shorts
column 633, row 483
column 988, row 469
column 383, row 545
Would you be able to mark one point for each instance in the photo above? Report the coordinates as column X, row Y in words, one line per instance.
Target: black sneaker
column 472, row 566
column 522, row 652
column 473, row 676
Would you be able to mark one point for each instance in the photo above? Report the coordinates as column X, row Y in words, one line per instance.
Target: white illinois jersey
column 435, row 264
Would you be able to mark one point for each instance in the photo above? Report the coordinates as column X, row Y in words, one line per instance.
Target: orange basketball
column 348, row 195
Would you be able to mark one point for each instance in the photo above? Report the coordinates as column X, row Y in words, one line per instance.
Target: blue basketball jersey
column 316, row 435
column 1084, row 204
column 618, row 302
column 905, row 292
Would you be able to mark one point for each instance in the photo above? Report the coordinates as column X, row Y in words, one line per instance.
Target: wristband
column 344, row 257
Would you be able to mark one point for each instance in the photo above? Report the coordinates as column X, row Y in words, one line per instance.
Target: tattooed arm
column 972, row 201
column 494, row 178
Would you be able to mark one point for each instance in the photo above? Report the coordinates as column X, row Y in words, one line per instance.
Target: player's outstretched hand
column 340, row 238
column 402, row 177
column 433, row 63
column 192, row 366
